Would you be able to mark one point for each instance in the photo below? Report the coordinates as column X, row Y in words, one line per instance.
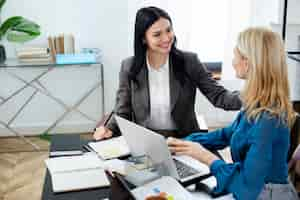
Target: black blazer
column 186, row 74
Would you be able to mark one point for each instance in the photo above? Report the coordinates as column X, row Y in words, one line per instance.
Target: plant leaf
column 27, row 26
column 9, row 23
column 2, row 2
column 20, row 37
column 27, row 29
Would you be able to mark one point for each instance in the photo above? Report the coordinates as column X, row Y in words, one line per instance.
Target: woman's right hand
column 102, row 133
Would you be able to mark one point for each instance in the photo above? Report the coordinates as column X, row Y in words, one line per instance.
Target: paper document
column 201, row 122
column 165, row 184
column 111, row 148
column 76, row 173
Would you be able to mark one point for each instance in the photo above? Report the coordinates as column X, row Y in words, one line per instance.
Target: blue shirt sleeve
column 215, row 140
column 245, row 179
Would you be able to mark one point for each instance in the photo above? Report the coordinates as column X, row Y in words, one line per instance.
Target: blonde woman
column 259, row 137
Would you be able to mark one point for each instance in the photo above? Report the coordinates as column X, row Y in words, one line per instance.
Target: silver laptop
column 142, row 141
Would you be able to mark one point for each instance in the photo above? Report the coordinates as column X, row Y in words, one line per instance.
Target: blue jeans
column 278, row 192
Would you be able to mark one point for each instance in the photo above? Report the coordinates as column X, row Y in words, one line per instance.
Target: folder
column 60, row 148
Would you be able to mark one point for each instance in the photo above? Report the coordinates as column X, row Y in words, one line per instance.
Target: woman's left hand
column 193, row 149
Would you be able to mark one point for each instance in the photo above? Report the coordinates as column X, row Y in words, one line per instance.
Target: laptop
column 142, row 141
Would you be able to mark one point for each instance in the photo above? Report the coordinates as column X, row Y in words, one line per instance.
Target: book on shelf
column 32, row 56
column 77, row 58
column 69, row 44
column 58, row 44
column 32, row 50
column 59, row 148
column 111, row 148
column 45, row 60
column 62, row 44
column 76, row 173
column 52, row 48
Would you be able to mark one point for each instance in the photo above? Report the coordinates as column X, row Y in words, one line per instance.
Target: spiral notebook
column 111, row 148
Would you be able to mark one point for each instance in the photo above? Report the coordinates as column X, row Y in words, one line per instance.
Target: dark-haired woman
column 157, row 86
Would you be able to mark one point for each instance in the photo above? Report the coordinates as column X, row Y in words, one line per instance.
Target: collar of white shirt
column 163, row 67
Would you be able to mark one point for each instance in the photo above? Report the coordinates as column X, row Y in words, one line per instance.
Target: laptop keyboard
column 184, row 170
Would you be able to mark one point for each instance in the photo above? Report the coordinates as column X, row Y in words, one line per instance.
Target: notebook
column 65, row 145
column 111, row 148
column 76, row 173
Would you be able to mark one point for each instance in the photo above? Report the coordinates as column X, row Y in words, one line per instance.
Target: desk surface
column 102, row 193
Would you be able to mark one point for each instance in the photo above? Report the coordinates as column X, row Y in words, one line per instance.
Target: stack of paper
column 76, row 173
column 112, row 148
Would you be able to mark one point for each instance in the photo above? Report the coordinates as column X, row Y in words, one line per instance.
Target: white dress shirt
column 159, row 89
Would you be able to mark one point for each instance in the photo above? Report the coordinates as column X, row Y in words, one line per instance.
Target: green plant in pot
column 16, row 29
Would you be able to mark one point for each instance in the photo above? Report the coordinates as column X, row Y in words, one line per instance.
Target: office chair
column 294, row 152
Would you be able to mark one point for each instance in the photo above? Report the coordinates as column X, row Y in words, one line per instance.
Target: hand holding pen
column 102, row 132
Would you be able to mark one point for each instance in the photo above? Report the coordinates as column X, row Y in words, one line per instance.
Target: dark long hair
column 145, row 17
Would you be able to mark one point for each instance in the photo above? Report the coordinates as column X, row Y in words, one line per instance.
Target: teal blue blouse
column 259, row 151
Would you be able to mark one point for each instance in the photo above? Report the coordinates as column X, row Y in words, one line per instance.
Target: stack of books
column 62, row 49
column 61, row 44
column 32, row 54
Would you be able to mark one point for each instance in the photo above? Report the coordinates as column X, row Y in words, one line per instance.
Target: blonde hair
column 267, row 87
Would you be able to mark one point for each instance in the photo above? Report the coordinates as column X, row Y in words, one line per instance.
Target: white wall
column 94, row 23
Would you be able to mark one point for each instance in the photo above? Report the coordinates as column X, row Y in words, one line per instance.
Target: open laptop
column 142, row 141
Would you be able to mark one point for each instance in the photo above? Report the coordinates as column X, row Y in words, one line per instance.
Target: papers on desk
column 76, row 173
column 111, row 148
column 165, row 184
column 201, row 122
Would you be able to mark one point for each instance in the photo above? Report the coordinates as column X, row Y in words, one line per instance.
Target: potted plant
column 16, row 29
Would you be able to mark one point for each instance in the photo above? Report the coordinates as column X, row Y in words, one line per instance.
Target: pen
column 106, row 120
